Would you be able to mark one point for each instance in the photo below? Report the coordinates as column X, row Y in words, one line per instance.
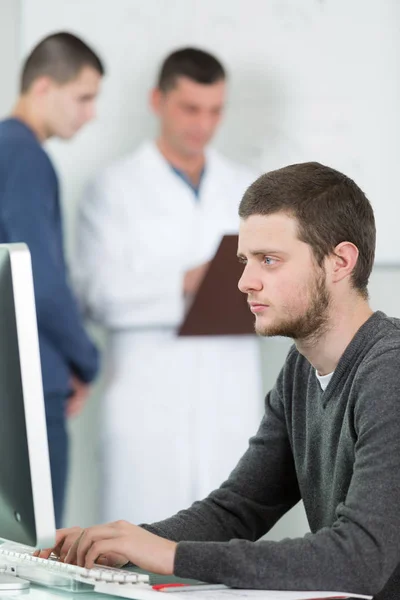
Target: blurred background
column 309, row 80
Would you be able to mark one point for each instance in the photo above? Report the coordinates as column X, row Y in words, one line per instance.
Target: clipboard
column 219, row 307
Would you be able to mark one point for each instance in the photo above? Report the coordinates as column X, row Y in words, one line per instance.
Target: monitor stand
column 8, row 583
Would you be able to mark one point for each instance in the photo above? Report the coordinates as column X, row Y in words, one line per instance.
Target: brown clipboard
column 219, row 308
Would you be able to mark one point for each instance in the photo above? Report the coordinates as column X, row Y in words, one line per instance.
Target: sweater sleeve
column 29, row 216
column 359, row 551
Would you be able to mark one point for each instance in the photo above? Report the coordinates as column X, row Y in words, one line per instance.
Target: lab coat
column 177, row 413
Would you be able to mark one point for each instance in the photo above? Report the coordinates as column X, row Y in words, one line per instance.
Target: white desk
column 43, row 593
column 36, row 592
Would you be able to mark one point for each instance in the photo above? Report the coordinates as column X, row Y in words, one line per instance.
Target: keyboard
column 18, row 560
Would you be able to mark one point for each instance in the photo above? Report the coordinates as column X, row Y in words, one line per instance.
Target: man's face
column 70, row 105
column 189, row 114
column 286, row 289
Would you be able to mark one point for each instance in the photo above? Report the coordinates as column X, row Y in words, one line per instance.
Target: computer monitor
column 26, row 500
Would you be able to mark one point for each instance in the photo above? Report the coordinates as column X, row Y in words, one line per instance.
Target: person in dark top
column 330, row 432
column 59, row 85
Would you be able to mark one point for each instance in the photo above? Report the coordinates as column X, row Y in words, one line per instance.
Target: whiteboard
column 310, row 80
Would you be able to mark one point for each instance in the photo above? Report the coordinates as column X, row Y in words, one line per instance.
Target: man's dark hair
column 60, row 56
column 328, row 206
column 192, row 63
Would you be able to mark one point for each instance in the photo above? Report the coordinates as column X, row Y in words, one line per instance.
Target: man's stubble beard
column 313, row 323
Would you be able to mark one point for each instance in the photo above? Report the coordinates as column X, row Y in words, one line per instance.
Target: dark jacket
column 30, row 213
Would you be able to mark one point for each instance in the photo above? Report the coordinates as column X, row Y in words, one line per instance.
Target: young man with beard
column 330, row 432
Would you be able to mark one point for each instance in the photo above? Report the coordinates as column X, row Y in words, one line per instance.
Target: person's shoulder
column 376, row 381
column 384, row 334
column 116, row 182
column 392, row 324
column 20, row 148
column 378, row 355
column 129, row 164
column 14, row 130
column 237, row 173
column 16, row 134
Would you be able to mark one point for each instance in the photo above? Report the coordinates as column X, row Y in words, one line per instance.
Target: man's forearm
column 322, row 561
column 222, row 516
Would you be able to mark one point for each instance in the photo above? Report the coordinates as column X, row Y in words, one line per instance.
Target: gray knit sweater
column 339, row 451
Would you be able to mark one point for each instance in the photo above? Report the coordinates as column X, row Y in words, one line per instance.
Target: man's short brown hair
column 61, row 57
column 328, row 206
column 193, row 63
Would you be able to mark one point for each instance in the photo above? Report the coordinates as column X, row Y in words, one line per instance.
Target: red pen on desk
column 177, row 587
column 161, row 586
column 187, row 587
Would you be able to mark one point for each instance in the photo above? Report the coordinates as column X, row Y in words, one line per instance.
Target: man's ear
column 41, row 85
column 155, row 100
column 342, row 261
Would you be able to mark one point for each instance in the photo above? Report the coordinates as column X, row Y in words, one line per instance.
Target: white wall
column 9, row 53
column 310, row 80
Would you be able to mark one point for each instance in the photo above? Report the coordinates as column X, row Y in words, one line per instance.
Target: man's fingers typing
column 71, row 548
column 112, row 559
column 91, row 536
column 43, row 553
column 99, row 548
column 73, row 545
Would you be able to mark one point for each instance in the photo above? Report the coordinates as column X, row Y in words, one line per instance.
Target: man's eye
column 242, row 260
column 268, row 260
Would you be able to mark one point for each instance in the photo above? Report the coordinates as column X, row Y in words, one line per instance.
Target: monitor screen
column 26, row 501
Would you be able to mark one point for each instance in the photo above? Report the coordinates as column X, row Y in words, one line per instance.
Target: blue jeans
column 58, row 451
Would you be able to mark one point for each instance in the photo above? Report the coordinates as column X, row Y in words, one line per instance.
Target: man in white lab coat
column 177, row 412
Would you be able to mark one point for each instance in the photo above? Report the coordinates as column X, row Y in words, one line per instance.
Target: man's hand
column 193, row 279
column 76, row 401
column 114, row 544
column 66, row 538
